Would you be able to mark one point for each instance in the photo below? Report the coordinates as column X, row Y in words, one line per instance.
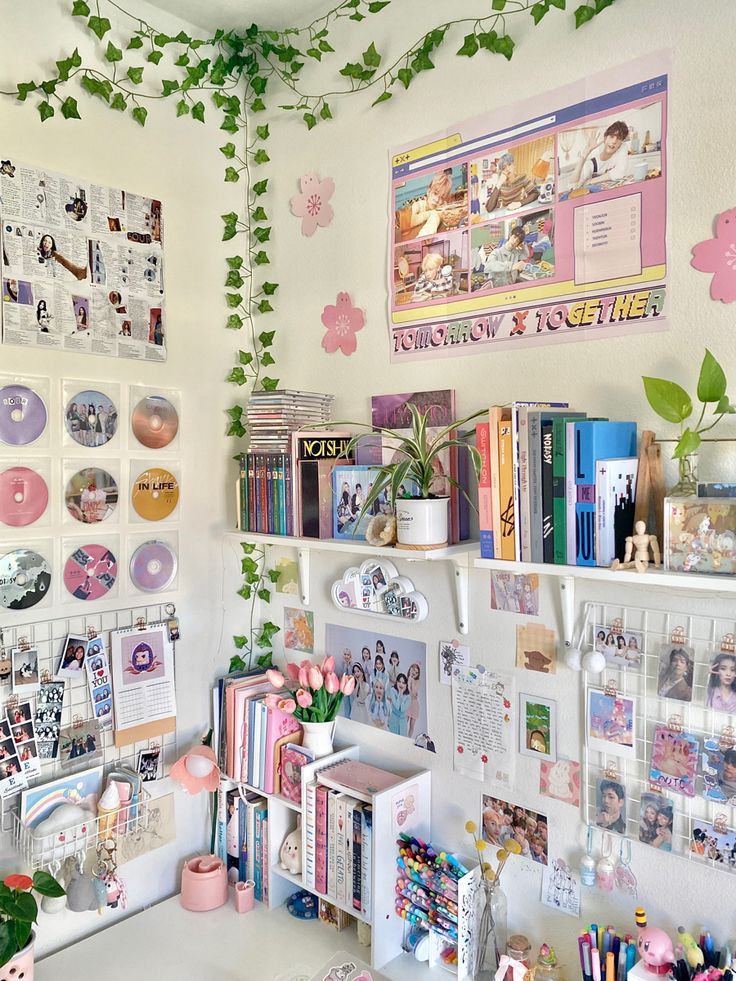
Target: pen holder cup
column 245, row 896
column 203, row 883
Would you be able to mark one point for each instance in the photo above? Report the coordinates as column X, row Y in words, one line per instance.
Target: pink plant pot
column 20, row 967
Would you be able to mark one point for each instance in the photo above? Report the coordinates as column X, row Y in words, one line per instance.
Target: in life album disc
column 153, row 566
column 23, row 415
column 91, row 495
column 155, row 494
column 90, row 572
column 155, row 422
column 23, row 496
column 25, row 577
column 91, row 418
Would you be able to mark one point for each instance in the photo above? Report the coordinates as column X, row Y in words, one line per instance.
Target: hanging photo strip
column 99, row 681
column 49, row 704
column 23, row 732
column 11, row 771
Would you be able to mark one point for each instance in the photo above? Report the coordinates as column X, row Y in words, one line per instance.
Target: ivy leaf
column 235, row 412
column 182, row 61
column 325, row 47
column 240, row 642
column 245, row 357
column 583, row 15
column 260, row 259
column 135, row 75
column 688, row 443
column 384, row 97
column 668, row 399
column 234, row 299
column 266, row 359
column 498, row 4
column 377, row 5
column 325, row 111
column 371, row 57
column 231, row 175
column 264, row 594
column 470, row 46
column 270, row 288
column 274, row 575
column 234, row 322
column 95, row 86
column 182, row 107
column 228, row 151
column 315, row 53
column 405, row 76
column 265, row 307
column 260, row 157
column 236, row 376
column 80, row 9
column 505, row 46
column 230, row 124
column 234, row 280
column 112, row 53
column 236, row 664
column 155, row 57
column 248, row 547
column 262, row 234
column 235, row 262
column 538, row 11
column 267, row 633
column 230, row 231
column 139, row 114
column 118, row 102
column 258, row 84
column 712, row 380
column 257, row 105
column 310, row 119
column 99, row 26
column 266, row 337
column 135, row 42
column 161, row 40
column 198, row 111
column 69, row 108
column 169, row 86
column 260, row 187
column 24, row 90
column 265, row 660
column 560, row 4
column 269, row 384
column 245, row 591
column 259, row 214
column 236, row 429
column 262, row 132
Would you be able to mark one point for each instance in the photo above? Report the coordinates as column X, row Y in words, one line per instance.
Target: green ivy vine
column 239, row 73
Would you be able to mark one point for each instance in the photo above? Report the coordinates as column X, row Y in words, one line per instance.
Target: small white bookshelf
column 387, row 929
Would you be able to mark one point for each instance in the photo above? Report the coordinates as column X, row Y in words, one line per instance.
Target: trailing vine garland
column 234, row 69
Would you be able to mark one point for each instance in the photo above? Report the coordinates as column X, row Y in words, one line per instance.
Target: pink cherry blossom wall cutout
column 342, row 321
column 312, row 205
column 718, row 256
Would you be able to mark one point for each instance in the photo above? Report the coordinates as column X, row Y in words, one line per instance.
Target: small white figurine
column 639, row 544
column 291, row 852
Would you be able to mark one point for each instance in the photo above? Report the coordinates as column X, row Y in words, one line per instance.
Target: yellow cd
column 155, row 494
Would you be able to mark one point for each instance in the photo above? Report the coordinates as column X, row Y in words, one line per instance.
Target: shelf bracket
column 303, row 560
column 461, row 593
column 567, row 604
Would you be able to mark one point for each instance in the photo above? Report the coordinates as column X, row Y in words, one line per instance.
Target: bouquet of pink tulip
column 320, row 691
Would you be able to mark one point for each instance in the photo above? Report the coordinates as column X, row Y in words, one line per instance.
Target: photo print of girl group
column 82, row 265
column 390, row 681
column 487, row 222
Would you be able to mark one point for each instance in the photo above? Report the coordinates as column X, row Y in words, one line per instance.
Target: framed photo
column 720, row 692
column 611, row 723
column 656, row 820
column 25, row 670
column 700, row 535
column 610, row 805
column 501, row 821
column 622, row 649
column 674, row 760
column 537, row 727
column 719, row 770
column 76, row 788
column 72, row 658
column 149, row 765
column 81, row 742
column 675, row 678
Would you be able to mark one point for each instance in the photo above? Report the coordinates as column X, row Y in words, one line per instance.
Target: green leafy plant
column 256, row 645
column 670, row 401
column 19, row 909
column 417, row 456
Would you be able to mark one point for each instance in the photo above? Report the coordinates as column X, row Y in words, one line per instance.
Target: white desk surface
column 168, row 943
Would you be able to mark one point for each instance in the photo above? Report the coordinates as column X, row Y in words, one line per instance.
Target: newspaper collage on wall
column 82, row 266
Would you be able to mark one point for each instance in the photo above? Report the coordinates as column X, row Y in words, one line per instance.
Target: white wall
column 600, row 375
column 178, row 161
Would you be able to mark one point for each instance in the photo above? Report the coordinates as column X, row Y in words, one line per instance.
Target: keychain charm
column 604, row 870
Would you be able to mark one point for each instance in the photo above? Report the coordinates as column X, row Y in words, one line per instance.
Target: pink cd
column 90, row 572
column 23, row 496
column 153, row 566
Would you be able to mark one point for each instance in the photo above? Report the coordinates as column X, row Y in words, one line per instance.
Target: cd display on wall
column 155, row 422
column 91, row 495
column 90, row 572
column 91, row 418
column 153, row 566
column 155, row 494
column 23, row 415
column 25, row 577
column 23, row 496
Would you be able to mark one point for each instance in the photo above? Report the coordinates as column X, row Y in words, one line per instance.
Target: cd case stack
column 265, row 487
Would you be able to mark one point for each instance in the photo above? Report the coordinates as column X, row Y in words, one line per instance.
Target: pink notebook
column 354, row 775
column 279, row 724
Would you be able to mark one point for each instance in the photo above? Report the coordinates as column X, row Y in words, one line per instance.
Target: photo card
column 149, row 764
column 537, row 727
column 675, row 677
column 12, row 779
column 714, row 842
column 561, row 781
column 515, row 594
column 72, row 657
column 674, row 760
column 80, row 742
column 610, row 805
column 501, row 820
column 611, row 723
column 720, row 692
column 622, row 649
column 656, row 820
column 719, row 769
column 298, row 630
column 23, row 732
column 26, row 677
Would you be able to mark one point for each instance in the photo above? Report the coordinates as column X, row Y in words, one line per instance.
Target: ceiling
column 211, row 14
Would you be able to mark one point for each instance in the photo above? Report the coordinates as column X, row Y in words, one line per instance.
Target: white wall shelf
column 460, row 555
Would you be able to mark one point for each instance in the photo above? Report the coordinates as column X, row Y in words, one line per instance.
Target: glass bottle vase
column 489, row 930
column 687, row 477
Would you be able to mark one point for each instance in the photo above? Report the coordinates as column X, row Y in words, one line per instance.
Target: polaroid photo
column 81, row 742
column 47, row 718
column 377, row 578
column 99, row 680
column 720, row 692
column 26, row 678
column 719, row 770
column 611, row 724
column 622, row 649
column 656, row 820
column 610, row 805
column 675, row 677
column 149, row 765
column 72, row 658
column 501, row 821
column 674, row 760
column 11, row 770
column 23, row 733
column 714, row 843
column 537, row 727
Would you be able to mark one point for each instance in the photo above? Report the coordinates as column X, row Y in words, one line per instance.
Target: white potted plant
column 422, row 517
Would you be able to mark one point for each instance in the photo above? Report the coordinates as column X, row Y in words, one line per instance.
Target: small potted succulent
column 18, row 913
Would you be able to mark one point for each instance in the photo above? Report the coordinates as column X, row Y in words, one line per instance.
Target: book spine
column 221, row 837
column 331, row 833
column 320, row 865
column 506, row 489
column 534, row 456
column 310, row 834
column 270, row 526
column 280, row 495
column 243, row 484
column 494, row 416
column 515, row 410
column 357, row 857
column 340, row 839
column 242, row 842
column 258, row 877
column 548, row 518
column 559, row 515
column 605, row 543
column 523, row 510
column 485, row 515
column 251, row 833
column 289, row 492
column 231, row 836
column 265, row 891
column 570, row 495
column 366, row 859
column 251, row 492
column 350, row 803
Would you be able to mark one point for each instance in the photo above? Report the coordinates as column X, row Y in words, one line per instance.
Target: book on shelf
column 310, row 833
column 314, row 454
column 330, row 841
column 233, row 833
column 615, row 499
column 339, row 839
column 359, row 777
column 321, row 830
column 357, row 835
column 539, row 464
column 292, row 758
column 559, row 472
column 507, row 496
column 366, row 859
column 521, row 458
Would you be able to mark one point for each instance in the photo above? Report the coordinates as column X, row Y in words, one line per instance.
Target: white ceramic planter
column 422, row 521
column 318, row 737
column 20, row 966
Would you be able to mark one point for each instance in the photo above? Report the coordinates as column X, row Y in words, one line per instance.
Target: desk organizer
column 203, row 883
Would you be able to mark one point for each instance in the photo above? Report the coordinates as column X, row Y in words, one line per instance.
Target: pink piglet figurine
column 653, row 945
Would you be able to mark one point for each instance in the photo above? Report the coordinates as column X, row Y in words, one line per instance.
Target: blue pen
column 594, row 933
column 606, row 944
column 133, row 812
column 630, row 956
column 453, row 861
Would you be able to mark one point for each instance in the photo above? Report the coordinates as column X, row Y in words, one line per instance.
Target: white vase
column 21, row 965
column 318, row 737
column 422, row 521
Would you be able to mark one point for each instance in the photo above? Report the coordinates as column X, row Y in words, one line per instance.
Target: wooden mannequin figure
column 639, row 544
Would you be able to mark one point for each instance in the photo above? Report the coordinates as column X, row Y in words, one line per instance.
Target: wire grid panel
column 704, row 635
column 48, row 637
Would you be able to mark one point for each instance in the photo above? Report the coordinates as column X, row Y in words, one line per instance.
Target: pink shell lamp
column 197, row 770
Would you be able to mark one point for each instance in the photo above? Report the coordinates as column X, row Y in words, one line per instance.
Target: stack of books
column 242, row 837
column 555, row 486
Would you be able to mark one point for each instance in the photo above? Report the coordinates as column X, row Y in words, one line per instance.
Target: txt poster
column 540, row 222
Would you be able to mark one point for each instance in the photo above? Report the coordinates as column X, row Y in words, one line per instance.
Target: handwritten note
column 483, row 724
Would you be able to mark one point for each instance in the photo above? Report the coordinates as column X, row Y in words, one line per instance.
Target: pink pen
column 596, row 959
